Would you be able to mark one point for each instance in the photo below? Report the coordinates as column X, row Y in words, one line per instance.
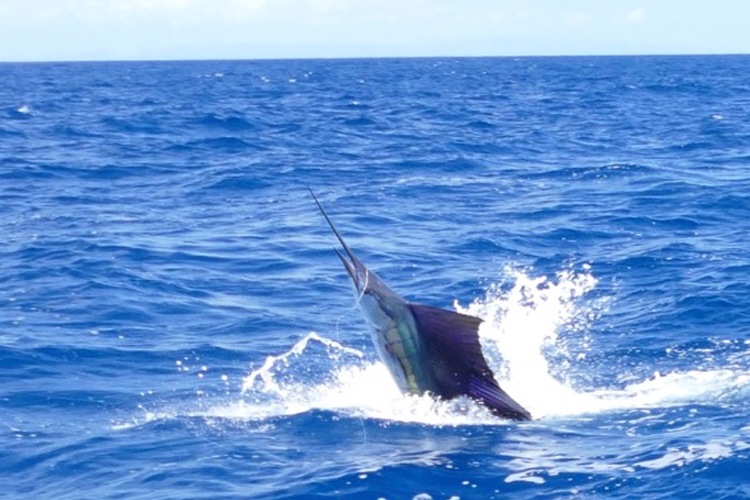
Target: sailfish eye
column 363, row 290
column 364, row 279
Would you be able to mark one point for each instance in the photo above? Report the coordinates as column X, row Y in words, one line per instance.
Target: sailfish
column 427, row 350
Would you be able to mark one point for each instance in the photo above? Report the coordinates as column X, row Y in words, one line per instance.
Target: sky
column 53, row 30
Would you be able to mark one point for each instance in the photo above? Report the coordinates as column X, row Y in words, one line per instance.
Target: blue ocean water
column 174, row 323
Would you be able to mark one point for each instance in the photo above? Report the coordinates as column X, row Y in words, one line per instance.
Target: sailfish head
column 358, row 272
column 373, row 296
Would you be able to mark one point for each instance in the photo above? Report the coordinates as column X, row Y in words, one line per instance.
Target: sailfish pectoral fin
column 459, row 367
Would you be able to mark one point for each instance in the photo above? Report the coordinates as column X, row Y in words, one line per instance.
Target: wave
column 230, row 123
column 225, row 144
column 22, row 112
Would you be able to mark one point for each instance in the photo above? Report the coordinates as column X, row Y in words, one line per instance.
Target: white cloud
column 327, row 5
column 635, row 16
column 149, row 6
column 578, row 19
column 177, row 11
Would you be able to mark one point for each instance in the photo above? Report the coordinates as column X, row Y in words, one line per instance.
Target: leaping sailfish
column 426, row 349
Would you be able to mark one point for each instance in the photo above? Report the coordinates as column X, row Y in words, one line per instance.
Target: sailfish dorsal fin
column 459, row 367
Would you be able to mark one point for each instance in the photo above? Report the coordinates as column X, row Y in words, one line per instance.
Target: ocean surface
column 174, row 323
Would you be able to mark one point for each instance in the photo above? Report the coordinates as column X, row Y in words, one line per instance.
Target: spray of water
column 522, row 325
column 522, row 330
column 351, row 385
column 524, row 318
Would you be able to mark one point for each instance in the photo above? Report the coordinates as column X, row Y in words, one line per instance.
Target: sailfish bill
column 426, row 349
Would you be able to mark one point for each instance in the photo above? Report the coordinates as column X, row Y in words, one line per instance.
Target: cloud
column 327, row 5
column 635, row 16
column 577, row 19
column 149, row 6
column 99, row 11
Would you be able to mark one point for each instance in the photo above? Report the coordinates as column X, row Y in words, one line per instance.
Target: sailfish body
column 426, row 349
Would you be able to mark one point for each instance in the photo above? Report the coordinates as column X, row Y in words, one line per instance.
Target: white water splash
column 671, row 389
column 265, row 372
column 521, row 325
column 522, row 341
column 353, row 386
column 710, row 451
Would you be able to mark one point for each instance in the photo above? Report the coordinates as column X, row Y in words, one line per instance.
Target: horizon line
column 358, row 58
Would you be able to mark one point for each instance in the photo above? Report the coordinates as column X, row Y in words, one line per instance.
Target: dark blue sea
column 174, row 323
